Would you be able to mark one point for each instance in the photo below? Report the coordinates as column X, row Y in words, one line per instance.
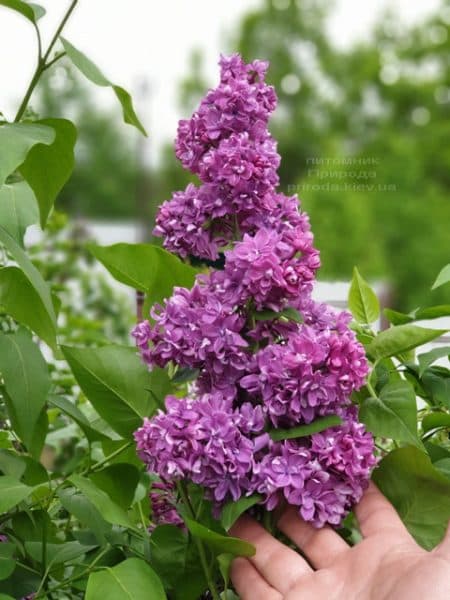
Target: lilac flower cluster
column 257, row 368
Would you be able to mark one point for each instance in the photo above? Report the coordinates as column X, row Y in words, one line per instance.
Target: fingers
column 444, row 547
column 321, row 546
column 376, row 514
column 249, row 583
column 280, row 566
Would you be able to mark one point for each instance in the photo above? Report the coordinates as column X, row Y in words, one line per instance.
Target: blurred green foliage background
column 363, row 134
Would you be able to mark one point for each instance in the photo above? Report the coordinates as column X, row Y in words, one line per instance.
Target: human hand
column 387, row 564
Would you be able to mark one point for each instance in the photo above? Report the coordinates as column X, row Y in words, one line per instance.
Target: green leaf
column 39, row 11
column 428, row 358
column 7, row 563
column 169, row 546
column 146, row 268
column 12, row 491
column 362, row 300
column 224, row 561
column 119, row 386
column 93, row 73
column 58, row 553
column 393, row 414
column 290, row 314
column 26, row 380
column 18, row 209
column 442, row 278
column 435, row 420
column 233, row 510
column 30, row 271
column 418, row 491
column 20, row 300
column 47, row 168
column 220, row 543
column 119, row 481
column 432, row 312
column 402, row 338
column 23, row 8
column 109, row 510
column 84, row 510
column 17, row 139
column 304, row 430
column 71, row 410
column 397, row 318
column 132, row 579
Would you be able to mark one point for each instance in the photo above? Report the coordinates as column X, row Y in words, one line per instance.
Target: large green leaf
column 437, row 383
column 12, row 491
column 30, row 271
column 436, row 420
column 442, row 278
column 169, row 546
column 20, row 300
column 219, row 543
column 93, row 73
column 132, row 579
column 402, row 338
column 145, row 267
column 27, row 382
column 119, row 386
column 393, row 414
column 17, row 139
column 303, row 430
column 119, row 481
column 362, row 300
column 47, row 168
column 419, row 492
column 18, row 209
column 7, row 563
column 109, row 510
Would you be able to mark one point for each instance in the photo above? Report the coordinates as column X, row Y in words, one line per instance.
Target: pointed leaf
column 442, row 278
column 26, row 380
column 402, row 338
column 435, row 420
column 47, row 168
column 233, row 510
column 71, row 410
column 220, row 543
column 362, row 300
column 93, row 73
column 428, row 358
column 316, row 426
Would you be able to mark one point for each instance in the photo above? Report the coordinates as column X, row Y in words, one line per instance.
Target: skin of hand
column 386, row 565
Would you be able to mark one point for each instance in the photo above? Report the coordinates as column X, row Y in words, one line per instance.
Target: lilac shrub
column 259, row 369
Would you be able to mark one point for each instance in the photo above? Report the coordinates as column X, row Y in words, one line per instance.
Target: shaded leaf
column 233, row 510
column 169, row 546
column 119, row 481
column 428, row 358
column 7, row 563
column 71, row 410
column 419, row 492
column 220, row 543
column 12, row 491
column 84, row 510
column 47, row 168
column 17, row 139
column 434, row 420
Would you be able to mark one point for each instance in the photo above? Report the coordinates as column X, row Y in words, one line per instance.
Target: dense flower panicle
column 256, row 367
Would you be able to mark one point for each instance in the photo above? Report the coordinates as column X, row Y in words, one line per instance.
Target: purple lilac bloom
column 255, row 372
column 162, row 499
